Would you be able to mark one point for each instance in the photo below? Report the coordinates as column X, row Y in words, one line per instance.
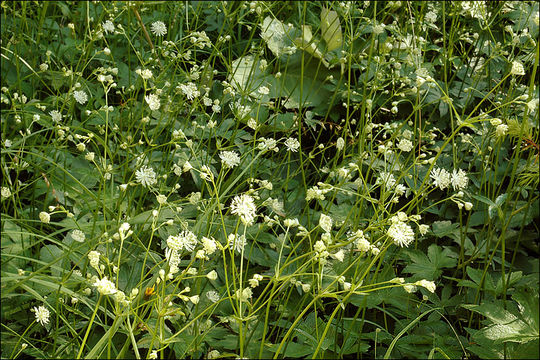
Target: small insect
column 149, row 292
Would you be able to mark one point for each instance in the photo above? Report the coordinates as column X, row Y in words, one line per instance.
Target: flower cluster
column 400, row 232
column 244, row 207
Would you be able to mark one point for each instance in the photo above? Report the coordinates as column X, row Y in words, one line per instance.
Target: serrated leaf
column 444, row 228
column 429, row 266
column 331, row 29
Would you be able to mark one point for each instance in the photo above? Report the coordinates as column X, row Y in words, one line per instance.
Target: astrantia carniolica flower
column 105, row 287
column 158, row 28
column 292, row 144
column 401, row 233
column 459, row 179
column 440, row 177
column 42, row 314
column 80, row 96
column 245, row 208
column 229, row 159
column 146, row 176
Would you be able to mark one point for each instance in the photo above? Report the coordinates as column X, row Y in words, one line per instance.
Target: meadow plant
column 267, row 179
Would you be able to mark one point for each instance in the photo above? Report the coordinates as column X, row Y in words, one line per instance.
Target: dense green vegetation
column 269, row 179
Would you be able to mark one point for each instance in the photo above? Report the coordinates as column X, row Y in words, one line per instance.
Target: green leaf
column 429, row 267
column 293, row 350
column 331, row 29
column 510, row 325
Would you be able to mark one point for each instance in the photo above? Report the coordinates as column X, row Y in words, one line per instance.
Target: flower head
column 292, row 144
column 244, row 206
column 105, row 286
column 42, row 314
column 45, row 217
column 80, row 96
column 441, row 178
column 56, row 115
column 108, row 26
column 459, row 179
column 325, row 222
column 401, row 233
column 146, row 176
column 78, row 235
column 229, row 159
column 517, row 68
column 158, row 28
column 153, row 101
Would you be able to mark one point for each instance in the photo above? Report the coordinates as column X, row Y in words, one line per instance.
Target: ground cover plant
column 269, row 179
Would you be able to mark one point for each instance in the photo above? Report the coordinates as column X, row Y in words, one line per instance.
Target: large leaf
column 508, row 324
column 331, row 29
column 429, row 267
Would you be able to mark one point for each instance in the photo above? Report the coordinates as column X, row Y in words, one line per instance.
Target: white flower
column 213, row 296
column 517, row 68
column 405, row 145
column 212, row 275
column 429, row 285
column 441, row 178
column 245, row 208
column 186, row 239
column 153, row 101
column 340, row 255
column 146, row 176
column 423, row 229
column 340, row 144
column 78, row 235
column 254, row 282
column 44, row 67
column 80, row 96
column 263, row 90
column 90, row 156
column 267, row 144
column 44, row 217
column 108, row 26
column 319, row 246
column 459, row 179
column 56, row 115
column 42, row 314
column 190, row 90
column 236, row 242
column 292, row 144
column 501, row 130
column 325, row 222
column 244, row 295
column 161, row 199
column 387, row 179
column 93, row 256
column 209, row 245
column 158, row 28
column 410, row 288
column 363, row 245
column 401, row 233
column 145, row 74
column 291, row 222
column 153, row 355
column 468, row 206
column 229, row 159
column 105, row 287
column 6, row 192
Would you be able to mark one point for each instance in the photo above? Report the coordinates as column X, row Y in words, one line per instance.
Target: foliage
column 269, row 179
